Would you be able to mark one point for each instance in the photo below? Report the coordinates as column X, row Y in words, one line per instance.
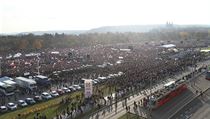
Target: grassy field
column 49, row 108
column 208, row 48
column 130, row 116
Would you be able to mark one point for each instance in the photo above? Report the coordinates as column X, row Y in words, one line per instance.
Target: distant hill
column 105, row 29
column 76, row 32
column 126, row 28
column 140, row 28
column 113, row 29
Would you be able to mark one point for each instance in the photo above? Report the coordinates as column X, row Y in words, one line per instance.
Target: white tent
column 168, row 46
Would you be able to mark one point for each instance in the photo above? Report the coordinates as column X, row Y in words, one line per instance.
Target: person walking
column 126, row 107
column 123, row 104
column 116, row 107
column 103, row 113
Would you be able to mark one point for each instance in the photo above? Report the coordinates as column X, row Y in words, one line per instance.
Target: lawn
column 49, row 108
column 206, row 49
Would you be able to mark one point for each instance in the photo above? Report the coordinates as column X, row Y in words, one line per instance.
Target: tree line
column 33, row 42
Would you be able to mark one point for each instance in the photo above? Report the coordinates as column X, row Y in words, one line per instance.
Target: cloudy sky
column 41, row 15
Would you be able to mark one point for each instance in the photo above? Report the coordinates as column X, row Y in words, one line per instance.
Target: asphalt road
column 169, row 108
column 202, row 111
column 176, row 109
column 199, row 108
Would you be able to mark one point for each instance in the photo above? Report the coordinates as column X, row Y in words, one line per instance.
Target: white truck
column 26, row 83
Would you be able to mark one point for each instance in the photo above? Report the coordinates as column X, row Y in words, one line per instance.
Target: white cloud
column 33, row 15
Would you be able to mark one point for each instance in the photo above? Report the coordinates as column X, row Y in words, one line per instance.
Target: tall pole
column 150, row 86
column 0, row 68
column 38, row 65
column 38, row 68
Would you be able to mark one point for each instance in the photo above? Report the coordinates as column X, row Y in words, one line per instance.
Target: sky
column 43, row 15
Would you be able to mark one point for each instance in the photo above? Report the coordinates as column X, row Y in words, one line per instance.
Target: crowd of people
column 143, row 65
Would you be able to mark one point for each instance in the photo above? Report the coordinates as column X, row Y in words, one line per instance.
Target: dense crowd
column 139, row 63
column 142, row 65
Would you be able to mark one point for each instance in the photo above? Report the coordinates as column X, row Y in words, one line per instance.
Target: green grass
column 130, row 116
column 208, row 48
column 51, row 111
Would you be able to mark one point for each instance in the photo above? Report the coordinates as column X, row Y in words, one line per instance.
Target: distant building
column 169, row 24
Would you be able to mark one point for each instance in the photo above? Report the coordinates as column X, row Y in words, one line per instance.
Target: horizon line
column 15, row 33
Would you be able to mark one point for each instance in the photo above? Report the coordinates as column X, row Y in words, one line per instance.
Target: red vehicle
column 208, row 75
column 170, row 90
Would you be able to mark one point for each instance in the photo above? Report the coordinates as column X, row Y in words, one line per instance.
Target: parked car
column 3, row 109
column 12, row 106
column 98, row 81
column 77, row 87
column 46, row 96
column 30, row 101
column 60, row 91
column 94, row 82
column 66, row 90
column 72, row 88
column 102, row 79
column 54, row 94
column 22, row 103
column 82, row 85
column 38, row 98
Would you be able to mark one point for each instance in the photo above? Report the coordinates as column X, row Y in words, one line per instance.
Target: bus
column 42, row 80
column 7, row 89
column 26, row 83
column 11, row 82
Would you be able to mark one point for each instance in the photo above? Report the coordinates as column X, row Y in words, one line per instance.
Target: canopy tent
column 168, row 46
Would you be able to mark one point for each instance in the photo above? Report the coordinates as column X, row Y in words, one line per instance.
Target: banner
column 88, row 88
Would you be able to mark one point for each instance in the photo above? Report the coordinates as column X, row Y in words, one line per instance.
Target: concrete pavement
column 199, row 108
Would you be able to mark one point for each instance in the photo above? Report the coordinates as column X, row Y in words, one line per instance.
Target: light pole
column 150, row 86
column 38, row 65
column 0, row 68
